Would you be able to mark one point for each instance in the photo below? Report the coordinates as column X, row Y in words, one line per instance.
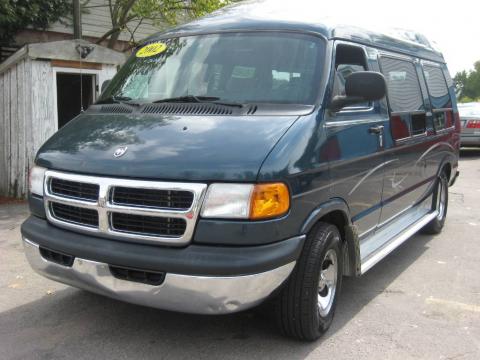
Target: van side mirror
column 105, row 84
column 360, row 87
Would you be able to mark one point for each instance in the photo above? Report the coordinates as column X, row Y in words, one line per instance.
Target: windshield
column 266, row 67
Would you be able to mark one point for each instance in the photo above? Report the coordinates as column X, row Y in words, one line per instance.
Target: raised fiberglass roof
column 288, row 16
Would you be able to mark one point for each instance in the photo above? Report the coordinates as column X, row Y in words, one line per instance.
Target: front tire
column 440, row 204
column 305, row 307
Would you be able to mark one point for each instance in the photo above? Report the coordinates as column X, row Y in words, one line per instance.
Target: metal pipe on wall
column 77, row 20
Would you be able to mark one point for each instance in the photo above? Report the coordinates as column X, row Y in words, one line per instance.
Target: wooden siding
column 27, row 120
column 96, row 21
column 43, row 105
column 108, row 72
column 76, row 64
column 4, row 135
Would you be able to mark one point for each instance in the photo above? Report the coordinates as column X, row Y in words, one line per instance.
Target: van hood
column 163, row 147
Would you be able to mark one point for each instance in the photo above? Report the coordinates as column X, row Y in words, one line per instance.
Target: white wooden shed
column 40, row 90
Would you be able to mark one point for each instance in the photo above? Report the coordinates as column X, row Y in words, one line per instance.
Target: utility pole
column 77, row 20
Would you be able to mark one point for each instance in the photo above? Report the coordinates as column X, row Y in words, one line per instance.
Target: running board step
column 396, row 241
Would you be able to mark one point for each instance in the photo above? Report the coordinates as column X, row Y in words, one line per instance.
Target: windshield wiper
column 118, row 100
column 198, row 99
column 187, row 99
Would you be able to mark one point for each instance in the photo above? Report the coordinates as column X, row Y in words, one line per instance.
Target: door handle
column 376, row 129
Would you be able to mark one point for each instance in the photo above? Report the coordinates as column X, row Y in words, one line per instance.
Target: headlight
column 246, row 201
column 37, row 174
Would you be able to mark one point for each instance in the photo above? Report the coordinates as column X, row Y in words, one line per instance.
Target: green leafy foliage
column 126, row 15
column 468, row 84
column 16, row 15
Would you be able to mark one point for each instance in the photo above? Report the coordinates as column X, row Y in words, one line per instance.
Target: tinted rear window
column 437, row 87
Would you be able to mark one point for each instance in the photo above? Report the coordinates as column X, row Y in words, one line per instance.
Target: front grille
column 124, row 209
column 74, row 214
column 74, row 189
column 163, row 199
column 56, row 257
column 140, row 276
column 148, row 225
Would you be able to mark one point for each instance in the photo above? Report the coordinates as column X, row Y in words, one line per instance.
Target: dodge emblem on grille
column 120, row 151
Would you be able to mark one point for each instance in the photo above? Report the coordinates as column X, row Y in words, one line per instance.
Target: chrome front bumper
column 183, row 293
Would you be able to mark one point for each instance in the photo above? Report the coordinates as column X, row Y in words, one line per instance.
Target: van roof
column 269, row 15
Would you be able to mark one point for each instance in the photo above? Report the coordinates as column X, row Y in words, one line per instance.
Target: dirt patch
column 8, row 200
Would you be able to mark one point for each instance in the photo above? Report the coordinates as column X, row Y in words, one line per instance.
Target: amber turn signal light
column 269, row 201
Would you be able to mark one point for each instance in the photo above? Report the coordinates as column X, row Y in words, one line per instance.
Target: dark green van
column 243, row 159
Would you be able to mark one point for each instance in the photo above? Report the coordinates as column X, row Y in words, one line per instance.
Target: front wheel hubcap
column 327, row 284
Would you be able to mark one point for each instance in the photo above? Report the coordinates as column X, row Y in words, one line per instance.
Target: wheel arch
column 449, row 164
column 336, row 212
column 447, row 168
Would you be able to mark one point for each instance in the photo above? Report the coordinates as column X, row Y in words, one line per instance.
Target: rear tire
column 440, row 203
column 305, row 307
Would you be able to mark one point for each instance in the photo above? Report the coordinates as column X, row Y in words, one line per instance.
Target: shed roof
column 64, row 50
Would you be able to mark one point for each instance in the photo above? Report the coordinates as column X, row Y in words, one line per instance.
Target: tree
column 16, row 15
column 128, row 15
column 468, row 84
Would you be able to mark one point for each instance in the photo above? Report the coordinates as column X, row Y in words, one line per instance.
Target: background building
column 96, row 21
column 42, row 87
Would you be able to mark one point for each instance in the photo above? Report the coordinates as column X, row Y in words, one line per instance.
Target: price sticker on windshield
column 151, row 50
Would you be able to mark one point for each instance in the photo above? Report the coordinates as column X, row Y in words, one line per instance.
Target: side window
column 348, row 59
column 404, row 92
column 439, row 97
column 408, row 116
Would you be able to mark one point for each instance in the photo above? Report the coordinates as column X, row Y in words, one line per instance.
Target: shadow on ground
column 76, row 324
column 469, row 153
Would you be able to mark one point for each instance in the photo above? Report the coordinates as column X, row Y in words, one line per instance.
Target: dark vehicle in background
column 470, row 119
column 242, row 159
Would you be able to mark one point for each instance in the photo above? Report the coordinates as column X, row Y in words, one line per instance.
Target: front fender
column 335, row 204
